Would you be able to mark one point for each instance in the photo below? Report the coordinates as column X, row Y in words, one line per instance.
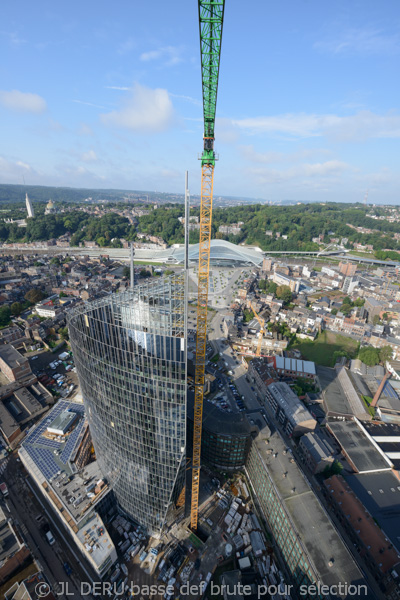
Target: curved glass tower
column 130, row 355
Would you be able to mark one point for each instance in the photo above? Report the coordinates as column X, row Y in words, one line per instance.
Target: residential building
column 348, row 269
column 316, row 452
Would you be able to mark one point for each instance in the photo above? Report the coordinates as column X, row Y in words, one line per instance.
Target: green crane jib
column 211, row 15
column 211, row 18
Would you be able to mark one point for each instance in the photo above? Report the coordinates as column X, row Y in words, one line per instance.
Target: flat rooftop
column 11, row 356
column 95, row 537
column 380, row 494
column 317, row 535
column 63, row 422
column 358, row 446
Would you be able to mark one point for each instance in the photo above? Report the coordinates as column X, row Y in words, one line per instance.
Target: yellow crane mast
column 262, row 330
column 211, row 17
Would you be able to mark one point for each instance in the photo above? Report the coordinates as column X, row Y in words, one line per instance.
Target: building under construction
column 130, row 355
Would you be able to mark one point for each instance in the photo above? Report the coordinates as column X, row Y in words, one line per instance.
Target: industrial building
column 296, row 519
column 291, row 367
column 13, row 364
column 289, row 411
column 130, row 355
column 340, row 398
column 366, row 535
column 362, row 453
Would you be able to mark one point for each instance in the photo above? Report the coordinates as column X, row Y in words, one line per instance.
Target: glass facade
column 279, row 522
column 130, row 355
column 222, row 451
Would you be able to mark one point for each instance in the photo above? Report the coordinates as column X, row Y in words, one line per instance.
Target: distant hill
column 39, row 193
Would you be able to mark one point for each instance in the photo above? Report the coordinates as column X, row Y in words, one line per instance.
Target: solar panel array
column 70, row 445
column 41, row 449
column 388, row 390
column 44, row 459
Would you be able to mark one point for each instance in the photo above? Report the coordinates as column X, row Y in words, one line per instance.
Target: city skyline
column 307, row 103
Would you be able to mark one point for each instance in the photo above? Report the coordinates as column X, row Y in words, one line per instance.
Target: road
column 218, row 341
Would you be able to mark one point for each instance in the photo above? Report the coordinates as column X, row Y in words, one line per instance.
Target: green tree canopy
column 16, row 308
column 5, row 314
column 369, row 356
column 283, row 293
column 385, row 353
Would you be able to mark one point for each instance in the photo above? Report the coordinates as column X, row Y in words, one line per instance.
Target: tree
column 16, row 308
column 369, row 356
column 62, row 295
column 385, row 353
column 376, row 320
column 34, row 295
column 346, row 309
column 5, row 314
column 55, row 261
column 284, row 293
column 272, row 287
column 168, row 272
column 347, row 300
column 334, row 311
column 126, row 272
column 64, row 334
column 144, row 273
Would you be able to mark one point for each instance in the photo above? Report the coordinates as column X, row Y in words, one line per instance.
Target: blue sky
column 100, row 94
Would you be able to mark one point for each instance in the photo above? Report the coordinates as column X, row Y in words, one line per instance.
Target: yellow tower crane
column 211, row 18
column 262, row 330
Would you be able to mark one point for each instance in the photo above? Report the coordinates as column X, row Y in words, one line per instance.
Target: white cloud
column 146, row 110
column 84, row 129
column 309, row 171
column 361, row 41
column 170, row 55
column 117, row 87
column 89, row 104
column 360, row 126
column 249, row 153
column 13, row 38
column 12, row 170
column 89, row 156
column 126, row 46
column 188, row 99
column 170, row 174
column 22, row 101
